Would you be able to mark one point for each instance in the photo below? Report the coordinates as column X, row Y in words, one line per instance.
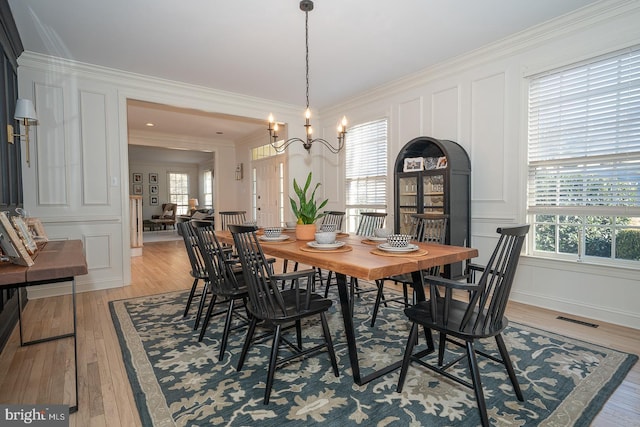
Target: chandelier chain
column 306, row 32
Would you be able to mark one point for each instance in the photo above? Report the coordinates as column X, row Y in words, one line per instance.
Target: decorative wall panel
column 487, row 131
column 93, row 139
column 445, row 114
column 51, row 148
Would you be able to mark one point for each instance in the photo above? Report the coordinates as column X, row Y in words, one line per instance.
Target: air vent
column 579, row 322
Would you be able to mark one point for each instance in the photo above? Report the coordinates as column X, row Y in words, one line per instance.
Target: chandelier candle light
column 306, row 6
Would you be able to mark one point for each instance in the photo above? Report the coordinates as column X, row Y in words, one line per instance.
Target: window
column 208, row 189
column 584, row 160
column 366, row 171
column 179, row 191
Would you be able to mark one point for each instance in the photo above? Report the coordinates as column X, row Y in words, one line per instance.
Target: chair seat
column 317, row 304
column 421, row 314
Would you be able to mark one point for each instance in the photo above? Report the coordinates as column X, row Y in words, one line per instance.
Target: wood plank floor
column 44, row 373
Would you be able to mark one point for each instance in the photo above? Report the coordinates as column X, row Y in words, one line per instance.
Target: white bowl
column 272, row 231
column 398, row 240
column 381, row 232
column 326, row 237
column 291, row 224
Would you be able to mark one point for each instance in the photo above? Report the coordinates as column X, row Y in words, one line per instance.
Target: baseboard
column 628, row 319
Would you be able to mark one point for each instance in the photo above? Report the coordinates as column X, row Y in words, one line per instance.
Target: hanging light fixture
column 306, row 6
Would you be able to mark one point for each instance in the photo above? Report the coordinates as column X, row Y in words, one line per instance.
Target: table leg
column 345, row 307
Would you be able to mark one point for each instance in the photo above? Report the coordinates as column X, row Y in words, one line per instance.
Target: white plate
column 334, row 245
column 274, row 239
column 409, row 248
column 377, row 239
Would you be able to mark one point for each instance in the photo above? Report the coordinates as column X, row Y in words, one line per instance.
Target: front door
column 268, row 185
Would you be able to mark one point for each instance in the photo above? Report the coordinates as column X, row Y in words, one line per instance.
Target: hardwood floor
column 44, row 373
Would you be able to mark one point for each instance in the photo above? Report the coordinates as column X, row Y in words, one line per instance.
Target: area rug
column 178, row 381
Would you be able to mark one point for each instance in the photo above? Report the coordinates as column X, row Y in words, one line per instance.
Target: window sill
column 582, row 267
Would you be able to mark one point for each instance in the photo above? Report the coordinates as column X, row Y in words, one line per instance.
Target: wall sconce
column 239, row 172
column 26, row 113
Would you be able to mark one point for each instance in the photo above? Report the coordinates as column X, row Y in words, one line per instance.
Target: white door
column 268, row 197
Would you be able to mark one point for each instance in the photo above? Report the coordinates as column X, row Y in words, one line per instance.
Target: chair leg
column 191, row 293
column 227, row 327
column 507, row 363
column 299, row 334
column 247, row 343
column 207, row 317
column 205, row 289
column 327, row 339
column 441, row 348
column 272, row 363
column 477, row 384
column 326, row 289
column 413, row 336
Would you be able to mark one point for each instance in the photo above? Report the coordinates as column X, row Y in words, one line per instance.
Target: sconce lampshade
column 25, row 110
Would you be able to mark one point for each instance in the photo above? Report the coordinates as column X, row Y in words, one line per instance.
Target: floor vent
column 579, row 322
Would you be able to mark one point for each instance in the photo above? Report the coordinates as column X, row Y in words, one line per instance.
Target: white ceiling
column 246, row 46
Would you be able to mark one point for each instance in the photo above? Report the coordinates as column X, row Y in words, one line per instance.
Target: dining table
column 362, row 258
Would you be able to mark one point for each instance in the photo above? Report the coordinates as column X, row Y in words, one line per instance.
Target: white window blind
column 366, row 165
column 584, row 137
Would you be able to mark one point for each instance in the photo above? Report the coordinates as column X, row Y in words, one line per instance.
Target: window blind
column 366, row 164
column 584, row 136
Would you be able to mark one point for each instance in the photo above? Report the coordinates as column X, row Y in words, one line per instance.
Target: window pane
column 628, row 239
column 598, row 242
column 545, row 237
column 568, row 239
column 179, row 191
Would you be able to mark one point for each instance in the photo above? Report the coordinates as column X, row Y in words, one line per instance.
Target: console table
column 57, row 261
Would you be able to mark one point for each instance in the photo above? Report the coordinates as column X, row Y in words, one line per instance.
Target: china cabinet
column 434, row 176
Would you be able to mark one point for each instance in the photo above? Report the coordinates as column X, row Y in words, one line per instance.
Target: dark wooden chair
column 431, row 228
column 463, row 322
column 225, row 280
column 198, row 268
column 278, row 308
column 232, row 217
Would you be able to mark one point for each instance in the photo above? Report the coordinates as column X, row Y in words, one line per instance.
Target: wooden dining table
column 362, row 259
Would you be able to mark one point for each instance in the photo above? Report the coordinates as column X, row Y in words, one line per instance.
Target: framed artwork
column 442, row 162
column 153, row 200
column 11, row 245
column 137, row 189
column 137, row 178
column 24, row 234
column 153, row 189
column 37, row 229
column 413, row 164
column 153, row 178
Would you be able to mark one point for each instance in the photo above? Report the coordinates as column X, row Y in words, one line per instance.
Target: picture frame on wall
column 11, row 245
column 153, row 178
column 137, row 178
column 153, row 189
column 153, row 200
column 137, row 189
column 413, row 164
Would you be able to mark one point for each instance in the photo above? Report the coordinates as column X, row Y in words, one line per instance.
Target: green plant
column 306, row 210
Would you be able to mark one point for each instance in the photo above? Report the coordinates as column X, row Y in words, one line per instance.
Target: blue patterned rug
column 178, row 381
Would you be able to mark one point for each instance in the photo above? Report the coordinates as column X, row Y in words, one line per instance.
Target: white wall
column 78, row 182
column 480, row 101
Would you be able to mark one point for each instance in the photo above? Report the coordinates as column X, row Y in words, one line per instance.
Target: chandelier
column 306, row 6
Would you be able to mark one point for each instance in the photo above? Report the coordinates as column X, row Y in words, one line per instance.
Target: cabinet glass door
column 408, row 203
column 433, row 193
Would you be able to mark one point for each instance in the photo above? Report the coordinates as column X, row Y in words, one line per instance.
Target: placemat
column 372, row 242
column 345, row 248
column 276, row 242
column 419, row 252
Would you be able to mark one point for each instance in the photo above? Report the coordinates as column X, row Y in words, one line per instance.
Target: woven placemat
column 277, row 242
column 418, row 252
column 345, row 248
column 372, row 242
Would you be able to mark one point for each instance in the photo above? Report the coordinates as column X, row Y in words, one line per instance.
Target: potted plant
column 306, row 210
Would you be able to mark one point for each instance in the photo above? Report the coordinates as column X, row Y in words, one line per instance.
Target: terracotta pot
column 305, row 231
